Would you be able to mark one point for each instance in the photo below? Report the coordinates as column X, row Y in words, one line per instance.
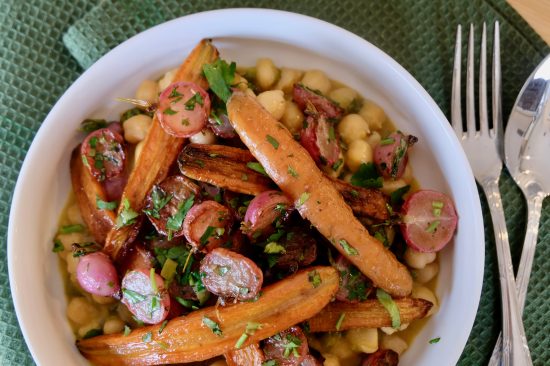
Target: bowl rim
column 254, row 13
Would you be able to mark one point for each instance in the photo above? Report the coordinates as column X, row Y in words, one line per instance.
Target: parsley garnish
column 274, row 248
column 315, row 278
column 387, row 141
column 303, row 198
column 90, row 125
column 292, row 345
column 340, row 321
column 127, row 216
column 68, row 229
column 433, row 226
column 397, row 196
column 388, row 303
column 194, row 100
column 174, row 222
column 162, row 326
column 92, row 333
column 127, row 330
column 220, row 76
column 174, row 93
column 434, row 340
column 367, row 176
column 206, row 235
column 257, row 167
column 57, row 246
column 269, row 363
column 337, row 164
column 159, row 198
column 347, row 247
column 214, row 327
column 147, row 337
column 250, row 329
column 292, row 172
column 105, row 205
column 169, row 111
column 272, row 141
column 133, row 296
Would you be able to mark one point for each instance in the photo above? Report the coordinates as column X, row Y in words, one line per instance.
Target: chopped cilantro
column 257, row 167
column 303, row 198
column 127, row 216
column 169, row 269
column 292, row 344
column 169, row 111
column 434, row 340
column 90, row 125
column 93, row 333
column 272, row 141
column 133, row 296
column 174, row 93
column 57, row 246
column 159, row 199
column 340, row 321
column 214, row 327
column 348, row 248
column 105, row 205
column 68, row 229
column 153, row 279
column 314, row 278
column 244, row 177
column 206, row 235
column 396, row 197
column 147, row 337
column 432, row 227
column 387, row 141
column 220, row 76
column 162, row 326
column 127, row 330
column 292, row 172
column 174, row 222
column 337, row 164
column 390, row 305
column 193, row 101
column 274, row 248
column 367, row 176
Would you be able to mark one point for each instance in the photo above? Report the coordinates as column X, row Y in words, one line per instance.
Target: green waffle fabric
column 46, row 44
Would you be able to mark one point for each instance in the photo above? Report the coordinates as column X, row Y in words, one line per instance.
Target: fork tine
column 497, row 106
column 456, row 104
column 483, row 119
column 470, row 75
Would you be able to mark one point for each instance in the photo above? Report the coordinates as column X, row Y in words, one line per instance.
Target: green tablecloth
column 45, row 45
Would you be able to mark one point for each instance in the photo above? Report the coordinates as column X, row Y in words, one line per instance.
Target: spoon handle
column 534, row 207
column 515, row 349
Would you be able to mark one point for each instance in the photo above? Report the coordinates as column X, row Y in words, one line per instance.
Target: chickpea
column 103, row 300
column 389, row 185
column 393, row 342
column 292, row 118
column 167, row 79
column 363, row 339
column 288, row 78
column 359, row 152
column 81, row 311
column 418, row 260
column 373, row 114
column 205, row 137
column 343, row 96
column 331, row 360
column 266, row 73
column 113, row 324
column 427, row 273
column 391, row 330
column 353, row 127
column 148, row 90
column 240, row 82
column 274, row 102
column 136, row 128
column 374, row 139
column 68, row 239
column 317, row 80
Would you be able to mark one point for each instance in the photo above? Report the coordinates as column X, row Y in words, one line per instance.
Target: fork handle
column 515, row 351
column 534, row 207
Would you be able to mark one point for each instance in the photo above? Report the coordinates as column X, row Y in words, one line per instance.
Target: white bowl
column 242, row 35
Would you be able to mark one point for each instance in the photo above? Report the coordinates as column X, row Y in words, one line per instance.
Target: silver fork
column 484, row 150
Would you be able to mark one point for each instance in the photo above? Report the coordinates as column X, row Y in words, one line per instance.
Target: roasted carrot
column 366, row 314
column 226, row 167
column 294, row 171
column 87, row 190
column 251, row 356
column 159, row 152
column 214, row 331
column 223, row 166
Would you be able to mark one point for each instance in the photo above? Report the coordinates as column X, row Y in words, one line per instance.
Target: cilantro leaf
column 396, row 197
column 367, row 176
column 220, row 76
column 90, row 125
column 174, row 223
column 388, row 303
column 105, row 205
column 127, row 216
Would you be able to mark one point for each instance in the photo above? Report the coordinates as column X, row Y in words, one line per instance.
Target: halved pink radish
column 429, row 220
column 319, row 139
column 183, row 109
column 97, row 274
column 263, row 211
column 206, row 225
column 390, row 155
column 144, row 294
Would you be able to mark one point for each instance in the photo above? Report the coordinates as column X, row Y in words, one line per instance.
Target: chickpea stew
column 227, row 196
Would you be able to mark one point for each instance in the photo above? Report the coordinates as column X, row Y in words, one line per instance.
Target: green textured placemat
column 35, row 69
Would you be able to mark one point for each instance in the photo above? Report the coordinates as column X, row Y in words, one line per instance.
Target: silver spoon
column 527, row 157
